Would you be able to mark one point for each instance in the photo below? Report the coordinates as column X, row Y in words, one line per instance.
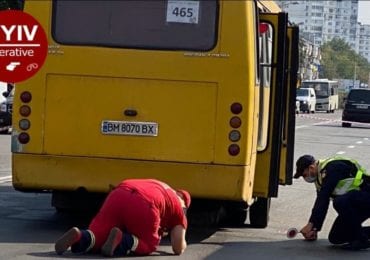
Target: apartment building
column 321, row 21
column 324, row 20
column 363, row 40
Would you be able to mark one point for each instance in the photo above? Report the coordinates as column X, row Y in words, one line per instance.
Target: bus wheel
column 236, row 214
column 205, row 213
column 259, row 212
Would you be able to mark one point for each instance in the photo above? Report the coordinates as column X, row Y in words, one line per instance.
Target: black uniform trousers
column 353, row 209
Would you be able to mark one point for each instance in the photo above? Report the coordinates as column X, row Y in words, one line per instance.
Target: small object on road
column 292, row 232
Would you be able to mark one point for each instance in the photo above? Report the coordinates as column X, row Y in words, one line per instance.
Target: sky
column 364, row 11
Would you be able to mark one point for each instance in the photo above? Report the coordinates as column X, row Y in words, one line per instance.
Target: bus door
column 269, row 143
column 288, row 134
column 268, row 155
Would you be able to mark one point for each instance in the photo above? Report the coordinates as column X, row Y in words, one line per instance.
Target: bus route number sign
column 183, row 11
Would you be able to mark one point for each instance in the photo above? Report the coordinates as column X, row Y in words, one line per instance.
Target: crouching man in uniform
column 346, row 182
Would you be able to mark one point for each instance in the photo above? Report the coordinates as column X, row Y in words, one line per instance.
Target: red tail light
column 236, row 108
column 234, row 149
column 235, row 122
column 26, row 97
column 25, row 110
column 23, row 138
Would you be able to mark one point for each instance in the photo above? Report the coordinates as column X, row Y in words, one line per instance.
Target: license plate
column 362, row 106
column 129, row 128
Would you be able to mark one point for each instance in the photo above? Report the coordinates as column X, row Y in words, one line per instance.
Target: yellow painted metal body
column 188, row 94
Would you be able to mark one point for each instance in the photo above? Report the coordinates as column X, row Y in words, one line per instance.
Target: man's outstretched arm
column 178, row 241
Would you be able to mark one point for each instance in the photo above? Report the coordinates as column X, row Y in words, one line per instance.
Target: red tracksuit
column 142, row 208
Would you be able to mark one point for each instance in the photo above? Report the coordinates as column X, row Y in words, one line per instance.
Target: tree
column 341, row 62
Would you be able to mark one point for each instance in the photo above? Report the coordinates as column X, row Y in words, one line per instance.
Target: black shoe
column 357, row 245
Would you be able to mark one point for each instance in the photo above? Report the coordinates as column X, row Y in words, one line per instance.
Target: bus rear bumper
column 64, row 173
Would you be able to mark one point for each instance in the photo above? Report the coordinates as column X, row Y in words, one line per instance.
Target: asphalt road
column 29, row 225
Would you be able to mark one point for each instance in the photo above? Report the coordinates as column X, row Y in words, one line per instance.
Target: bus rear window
column 160, row 24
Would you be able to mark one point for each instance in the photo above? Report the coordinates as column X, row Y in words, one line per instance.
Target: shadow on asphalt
column 285, row 249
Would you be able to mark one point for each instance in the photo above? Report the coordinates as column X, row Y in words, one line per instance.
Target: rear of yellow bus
column 141, row 89
column 155, row 89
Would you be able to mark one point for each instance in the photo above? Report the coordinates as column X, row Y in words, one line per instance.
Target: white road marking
column 341, row 152
column 301, row 126
column 359, row 142
column 351, row 146
column 5, row 179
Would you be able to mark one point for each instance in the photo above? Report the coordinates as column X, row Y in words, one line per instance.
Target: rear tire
column 236, row 214
column 259, row 212
column 205, row 213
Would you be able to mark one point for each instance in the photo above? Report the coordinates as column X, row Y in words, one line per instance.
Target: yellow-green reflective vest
column 344, row 185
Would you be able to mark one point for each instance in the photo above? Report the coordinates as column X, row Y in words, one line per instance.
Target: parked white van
column 307, row 99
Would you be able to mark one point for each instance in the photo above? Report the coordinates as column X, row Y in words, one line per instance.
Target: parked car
column 6, row 111
column 356, row 107
column 307, row 99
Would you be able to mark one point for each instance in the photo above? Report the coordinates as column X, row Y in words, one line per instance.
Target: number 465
column 183, row 12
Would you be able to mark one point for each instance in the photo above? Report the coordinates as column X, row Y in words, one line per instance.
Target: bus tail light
column 25, row 110
column 24, row 124
column 236, row 108
column 23, row 138
column 234, row 149
column 26, row 97
column 235, row 122
column 234, row 136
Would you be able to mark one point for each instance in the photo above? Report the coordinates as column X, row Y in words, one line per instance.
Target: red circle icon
column 23, row 46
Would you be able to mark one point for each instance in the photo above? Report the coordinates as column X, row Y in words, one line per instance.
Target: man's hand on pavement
column 309, row 232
